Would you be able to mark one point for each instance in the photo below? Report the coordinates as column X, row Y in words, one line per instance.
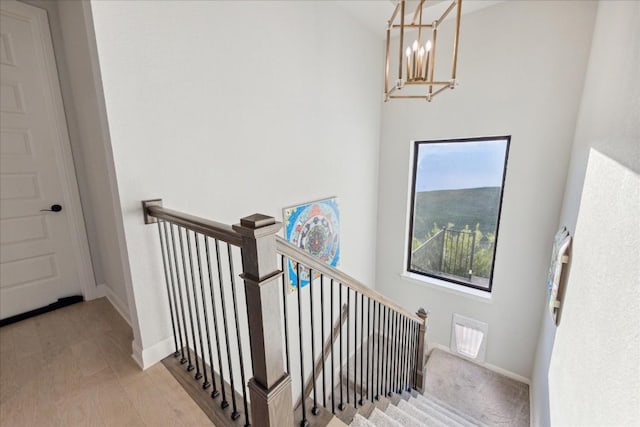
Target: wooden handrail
column 204, row 226
column 327, row 346
column 294, row 253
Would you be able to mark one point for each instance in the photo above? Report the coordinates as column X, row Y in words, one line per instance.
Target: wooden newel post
column 422, row 349
column 270, row 387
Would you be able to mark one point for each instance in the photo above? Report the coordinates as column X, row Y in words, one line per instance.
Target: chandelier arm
column 433, row 54
column 448, row 11
column 386, row 65
column 442, row 89
column 418, row 12
column 456, row 41
column 395, row 13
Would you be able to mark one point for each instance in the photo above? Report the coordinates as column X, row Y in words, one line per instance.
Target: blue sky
column 455, row 165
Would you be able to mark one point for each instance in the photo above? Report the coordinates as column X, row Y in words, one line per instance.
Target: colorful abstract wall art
column 315, row 228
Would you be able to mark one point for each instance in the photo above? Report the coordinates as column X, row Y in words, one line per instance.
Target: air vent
column 469, row 337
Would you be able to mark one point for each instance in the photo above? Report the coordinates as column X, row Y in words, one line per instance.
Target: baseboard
column 489, row 366
column 148, row 357
column 121, row 307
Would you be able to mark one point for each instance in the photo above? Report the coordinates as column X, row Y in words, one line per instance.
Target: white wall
column 521, row 71
column 227, row 108
column 74, row 46
column 590, row 375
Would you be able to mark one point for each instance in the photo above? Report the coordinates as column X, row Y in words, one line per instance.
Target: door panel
column 38, row 258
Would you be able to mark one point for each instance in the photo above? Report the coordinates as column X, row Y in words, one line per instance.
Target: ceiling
column 374, row 14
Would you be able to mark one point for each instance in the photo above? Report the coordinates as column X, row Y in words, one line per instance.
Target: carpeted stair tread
column 402, row 417
column 460, row 416
column 380, row 419
column 438, row 413
column 423, row 417
column 360, row 421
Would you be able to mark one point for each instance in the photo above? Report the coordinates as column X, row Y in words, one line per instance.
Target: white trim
column 62, row 147
column 489, row 366
column 442, row 285
column 103, row 290
column 148, row 357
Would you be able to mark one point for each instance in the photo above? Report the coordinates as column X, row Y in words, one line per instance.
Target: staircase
column 314, row 336
column 413, row 410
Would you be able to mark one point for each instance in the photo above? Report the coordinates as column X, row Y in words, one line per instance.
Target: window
column 456, row 199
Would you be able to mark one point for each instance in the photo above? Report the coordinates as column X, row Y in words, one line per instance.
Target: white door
column 42, row 257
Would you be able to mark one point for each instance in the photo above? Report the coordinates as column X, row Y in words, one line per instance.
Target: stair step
column 360, row 421
column 429, row 397
column 455, row 413
column 380, row 419
column 402, row 417
column 438, row 413
column 421, row 416
column 366, row 409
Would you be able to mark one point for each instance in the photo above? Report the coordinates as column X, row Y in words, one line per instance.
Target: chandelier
column 417, row 42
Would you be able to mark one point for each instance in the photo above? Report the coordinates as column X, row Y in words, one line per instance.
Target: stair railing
column 380, row 350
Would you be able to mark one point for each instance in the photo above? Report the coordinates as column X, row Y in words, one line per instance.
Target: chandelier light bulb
column 415, row 45
column 421, row 51
column 408, row 52
column 428, row 45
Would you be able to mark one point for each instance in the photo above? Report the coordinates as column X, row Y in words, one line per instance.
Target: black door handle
column 54, row 208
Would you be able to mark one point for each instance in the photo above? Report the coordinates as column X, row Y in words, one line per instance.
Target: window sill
column 433, row 283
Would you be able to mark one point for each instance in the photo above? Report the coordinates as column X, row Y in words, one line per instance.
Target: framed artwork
column 313, row 227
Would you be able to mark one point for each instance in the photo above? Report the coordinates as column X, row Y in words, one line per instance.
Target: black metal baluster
column 412, row 354
column 166, row 279
column 401, row 352
column 387, row 390
column 304, row 422
column 234, row 413
column 333, row 371
column 171, row 255
column 324, row 386
column 392, row 367
column 342, row 404
column 372, row 337
column 362, row 399
column 239, row 341
column 410, row 340
column 314, row 410
column 416, row 361
column 348, row 327
column 215, row 393
column 179, row 292
column 379, row 351
column 355, row 349
column 398, row 351
column 384, row 350
column 206, row 383
column 286, row 314
column 190, row 366
column 369, row 348
column 407, row 340
column 195, row 305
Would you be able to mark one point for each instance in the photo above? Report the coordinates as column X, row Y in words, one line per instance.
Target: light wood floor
column 73, row 367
